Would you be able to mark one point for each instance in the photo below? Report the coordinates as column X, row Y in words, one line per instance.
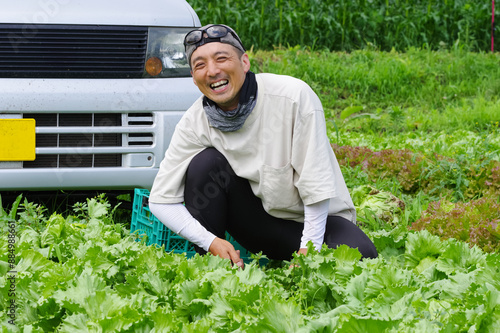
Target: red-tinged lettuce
column 475, row 222
column 484, row 179
column 456, row 178
column 403, row 165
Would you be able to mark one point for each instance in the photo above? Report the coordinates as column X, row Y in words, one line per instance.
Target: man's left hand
column 303, row 251
column 224, row 249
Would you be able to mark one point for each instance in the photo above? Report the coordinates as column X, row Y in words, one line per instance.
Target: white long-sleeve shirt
column 178, row 219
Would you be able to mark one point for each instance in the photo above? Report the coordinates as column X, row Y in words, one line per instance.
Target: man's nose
column 212, row 68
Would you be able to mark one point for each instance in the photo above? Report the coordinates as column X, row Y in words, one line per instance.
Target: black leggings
column 221, row 201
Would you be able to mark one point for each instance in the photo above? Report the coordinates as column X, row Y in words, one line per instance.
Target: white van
column 105, row 81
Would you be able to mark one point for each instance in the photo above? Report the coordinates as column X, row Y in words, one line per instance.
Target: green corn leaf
column 350, row 110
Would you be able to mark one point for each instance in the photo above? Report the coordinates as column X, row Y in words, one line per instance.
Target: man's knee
column 206, row 154
column 212, row 163
column 341, row 231
column 368, row 250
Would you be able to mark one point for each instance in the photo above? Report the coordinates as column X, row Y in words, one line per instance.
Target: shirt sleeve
column 177, row 218
column 168, row 186
column 315, row 216
column 312, row 155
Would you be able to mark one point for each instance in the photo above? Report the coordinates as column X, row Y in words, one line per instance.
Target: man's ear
column 196, row 84
column 246, row 62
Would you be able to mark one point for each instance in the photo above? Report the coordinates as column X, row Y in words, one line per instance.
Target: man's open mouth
column 219, row 84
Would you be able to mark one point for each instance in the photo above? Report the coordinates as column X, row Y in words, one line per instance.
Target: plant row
column 348, row 25
column 464, row 144
column 82, row 273
column 456, row 179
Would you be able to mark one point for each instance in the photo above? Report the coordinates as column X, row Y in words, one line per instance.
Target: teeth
column 218, row 84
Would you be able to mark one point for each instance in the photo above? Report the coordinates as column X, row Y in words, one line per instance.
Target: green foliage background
column 345, row 25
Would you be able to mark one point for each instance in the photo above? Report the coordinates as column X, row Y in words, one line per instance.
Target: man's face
column 219, row 73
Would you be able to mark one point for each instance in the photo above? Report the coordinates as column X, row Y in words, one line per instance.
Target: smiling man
column 219, row 72
column 252, row 157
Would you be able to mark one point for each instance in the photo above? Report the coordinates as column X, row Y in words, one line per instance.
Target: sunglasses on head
column 214, row 31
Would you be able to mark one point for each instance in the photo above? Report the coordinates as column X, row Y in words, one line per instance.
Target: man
column 251, row 157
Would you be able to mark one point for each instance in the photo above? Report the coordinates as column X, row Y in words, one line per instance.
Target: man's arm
column 177, row 218
column 315, row 216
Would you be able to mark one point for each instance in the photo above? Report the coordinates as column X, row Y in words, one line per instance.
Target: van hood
column 171, row 13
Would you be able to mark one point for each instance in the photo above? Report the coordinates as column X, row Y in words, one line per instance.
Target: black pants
column 222, row 201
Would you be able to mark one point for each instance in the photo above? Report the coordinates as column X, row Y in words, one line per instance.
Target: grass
column 416, row 82
column 430, row 101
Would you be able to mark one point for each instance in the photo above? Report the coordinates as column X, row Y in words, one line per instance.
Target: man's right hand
column 224, row 249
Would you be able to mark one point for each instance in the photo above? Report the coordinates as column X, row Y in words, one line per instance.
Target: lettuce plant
column 476, row 222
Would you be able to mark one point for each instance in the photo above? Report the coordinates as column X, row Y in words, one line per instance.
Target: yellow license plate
column 17, row 139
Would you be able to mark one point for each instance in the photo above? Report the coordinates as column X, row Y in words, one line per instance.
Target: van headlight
column 165, row 56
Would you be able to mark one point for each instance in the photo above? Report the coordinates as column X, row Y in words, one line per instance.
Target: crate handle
column 145, row 201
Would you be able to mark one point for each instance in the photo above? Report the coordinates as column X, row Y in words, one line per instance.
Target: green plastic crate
column 145, row 223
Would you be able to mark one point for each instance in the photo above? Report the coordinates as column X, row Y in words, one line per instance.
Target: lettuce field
column 83, row 273
column 418, row 139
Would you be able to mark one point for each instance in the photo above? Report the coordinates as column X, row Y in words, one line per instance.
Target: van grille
column 76, row 51
column 78, row 140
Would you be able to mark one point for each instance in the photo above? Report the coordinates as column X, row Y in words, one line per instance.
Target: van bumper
column 73, row 179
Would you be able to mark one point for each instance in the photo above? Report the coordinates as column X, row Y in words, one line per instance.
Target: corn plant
column 348, row 25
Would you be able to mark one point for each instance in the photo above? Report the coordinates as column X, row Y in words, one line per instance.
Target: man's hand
column 224, row 249
column 302, row 251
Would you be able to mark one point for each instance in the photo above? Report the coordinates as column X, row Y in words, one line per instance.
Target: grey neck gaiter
column 229, row 121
